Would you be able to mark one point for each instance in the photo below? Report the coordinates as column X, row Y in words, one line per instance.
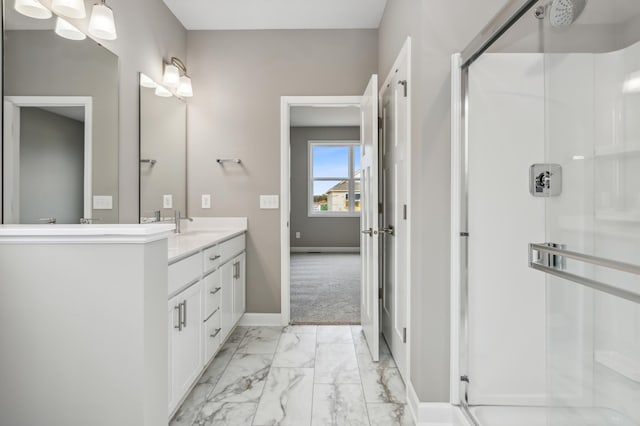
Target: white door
column 369, row 240
column 394, row 184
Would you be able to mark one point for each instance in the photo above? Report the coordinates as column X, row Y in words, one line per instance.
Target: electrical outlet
column 206, row 201
column 298, row 235
column 102, row 202
column 167, row 201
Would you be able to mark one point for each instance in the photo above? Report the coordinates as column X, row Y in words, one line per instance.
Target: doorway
column 47, row 159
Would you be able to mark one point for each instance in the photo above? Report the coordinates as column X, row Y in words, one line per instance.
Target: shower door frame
column 501, row 23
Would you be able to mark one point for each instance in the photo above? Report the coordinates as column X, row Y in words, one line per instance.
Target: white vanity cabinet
column 207, row 299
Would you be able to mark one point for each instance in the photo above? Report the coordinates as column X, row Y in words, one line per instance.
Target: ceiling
column 304, row 116
column 277, row 14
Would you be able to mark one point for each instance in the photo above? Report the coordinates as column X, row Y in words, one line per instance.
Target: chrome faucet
column 177, row 218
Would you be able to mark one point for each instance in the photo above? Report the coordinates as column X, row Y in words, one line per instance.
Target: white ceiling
column 277, row 14
column 325, row 116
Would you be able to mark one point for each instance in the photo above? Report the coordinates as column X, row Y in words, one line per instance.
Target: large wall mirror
column 163, row 153
column 60, row 133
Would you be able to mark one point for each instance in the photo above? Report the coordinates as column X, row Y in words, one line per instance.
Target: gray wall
column 239, row 77
column 438, row 29
column 39, row 63
column 51, row 167
column 317, row 231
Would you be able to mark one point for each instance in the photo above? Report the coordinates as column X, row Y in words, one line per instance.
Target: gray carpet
column 325, row 288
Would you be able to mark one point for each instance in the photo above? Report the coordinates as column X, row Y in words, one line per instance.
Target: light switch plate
column 269, row 202
column 167, row 201
column 206, row 201
column 298, row 236
column 102, row 202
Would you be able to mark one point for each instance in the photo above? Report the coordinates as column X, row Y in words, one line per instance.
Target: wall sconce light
column 175, row 75
column 102, row 24
column 66, row 30
column 146, row 81
column 32, row 9
column 69, row 8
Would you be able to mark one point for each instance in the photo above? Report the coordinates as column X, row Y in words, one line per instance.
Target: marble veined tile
column 260, row 340
column 296, row 350
column 390, row 414
column 338, row 404
column 226, row 414
column 334, row 334
column 243, row 380
column 366, row 362
column 237, row 335
column 218, row 365
column 336, row 363
column 287, row 398
column 383, row 385
column 192, row 405
column 300, row 329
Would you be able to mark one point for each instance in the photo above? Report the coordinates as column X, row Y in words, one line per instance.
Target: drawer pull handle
column 216, row 257
column 216, row 332
column 216, row 290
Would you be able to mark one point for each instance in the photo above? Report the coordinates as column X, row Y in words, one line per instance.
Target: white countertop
column 61, row 233
column 188, row 243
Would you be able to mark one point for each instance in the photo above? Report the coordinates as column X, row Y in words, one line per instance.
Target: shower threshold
column 543, row 416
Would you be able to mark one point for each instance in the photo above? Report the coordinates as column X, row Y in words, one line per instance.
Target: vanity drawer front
column 212, row 336
column 232, row 247
column 184, row 271
column 211, row 258
column 213, row 290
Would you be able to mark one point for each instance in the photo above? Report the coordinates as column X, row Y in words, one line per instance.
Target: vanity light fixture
column 69, row 8
column 66, row 30
column 102, row 24
column 32, row 9
column 163, row 92
column 175, row 75
column 146, row 81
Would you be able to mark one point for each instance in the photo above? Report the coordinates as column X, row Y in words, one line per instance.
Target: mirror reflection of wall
column 163, row 153
column 40, row 66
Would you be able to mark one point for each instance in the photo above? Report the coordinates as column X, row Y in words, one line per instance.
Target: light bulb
column 185, row 89
column 66, row 30
column 32, row 9
column 146, row 81
column 171, row 75
column 69, row 8
column 163, row 92
column 102, row 25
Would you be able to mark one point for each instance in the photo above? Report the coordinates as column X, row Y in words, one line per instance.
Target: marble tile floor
column 298, row 376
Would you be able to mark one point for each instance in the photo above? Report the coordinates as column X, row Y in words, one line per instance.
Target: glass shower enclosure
column 547, row 243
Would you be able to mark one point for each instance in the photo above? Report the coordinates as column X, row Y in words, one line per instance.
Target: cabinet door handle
column 184, row 314
column 215, row 333
column 217, row 289
column 216, row 257
column 179, row 309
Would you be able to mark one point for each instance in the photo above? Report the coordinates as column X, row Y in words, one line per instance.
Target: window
column 334, row 178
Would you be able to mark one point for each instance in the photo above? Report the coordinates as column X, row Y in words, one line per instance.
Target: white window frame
column 351, row 178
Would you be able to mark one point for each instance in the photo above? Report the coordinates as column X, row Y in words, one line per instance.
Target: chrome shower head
column 563, row 13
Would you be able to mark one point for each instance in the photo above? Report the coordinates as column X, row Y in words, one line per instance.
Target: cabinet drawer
column 184, row 271
column 212, row 336
column 212, row 289
column 231, row 248
column 211, row 258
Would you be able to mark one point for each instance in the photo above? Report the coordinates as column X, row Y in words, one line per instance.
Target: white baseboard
column 249, row 319
column 325, row 249
column 433, row 413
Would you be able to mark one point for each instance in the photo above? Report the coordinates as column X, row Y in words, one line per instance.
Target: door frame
column 286, row 102
column 11, row 147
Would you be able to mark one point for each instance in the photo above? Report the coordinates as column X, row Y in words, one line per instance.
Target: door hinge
column 379, row 123
column 379, row 208
column 404, row 335
column 404, row 212
column 380, row 293
column 404, row 85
